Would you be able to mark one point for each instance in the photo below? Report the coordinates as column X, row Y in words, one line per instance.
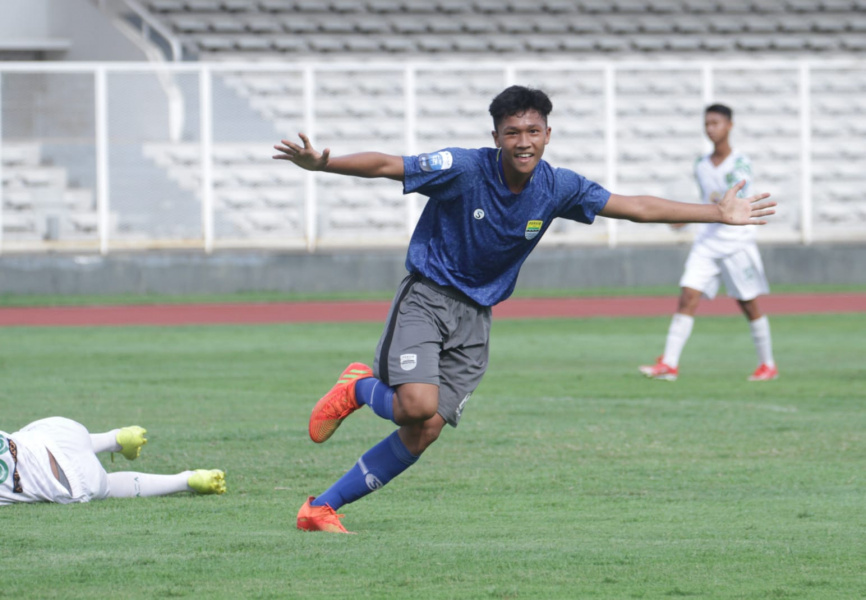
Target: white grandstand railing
column 148, row 25
column 209, row 240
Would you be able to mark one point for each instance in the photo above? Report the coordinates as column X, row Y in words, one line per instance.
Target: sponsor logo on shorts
column 408, row 361
column 462, row 404
column 3, row 445
column 478, row 214
column 533, row 228
column 4, row 471
column 437, row 161
column 373, row 482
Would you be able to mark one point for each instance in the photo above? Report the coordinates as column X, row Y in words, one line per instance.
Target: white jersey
column 38, row 483
column 714, row 181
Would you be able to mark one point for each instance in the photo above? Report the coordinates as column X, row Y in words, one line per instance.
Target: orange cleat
column 338, row 403
column 319, row 518
column 764, row 373
column 660, row 370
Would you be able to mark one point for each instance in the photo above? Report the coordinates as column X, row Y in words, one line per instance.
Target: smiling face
column 522, row 138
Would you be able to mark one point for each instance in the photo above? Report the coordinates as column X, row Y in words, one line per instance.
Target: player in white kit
column 720, row 253
column 54, row 460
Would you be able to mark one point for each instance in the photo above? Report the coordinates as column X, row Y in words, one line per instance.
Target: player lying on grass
column 54, row 460
column 488, row 209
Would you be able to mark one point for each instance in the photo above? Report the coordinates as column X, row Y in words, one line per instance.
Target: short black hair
column 516, row 100
column 721, row 109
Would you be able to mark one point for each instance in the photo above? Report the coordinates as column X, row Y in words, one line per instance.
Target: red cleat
column 337, row 404
column 319, row 518
column 660, row 371
column 764, row 373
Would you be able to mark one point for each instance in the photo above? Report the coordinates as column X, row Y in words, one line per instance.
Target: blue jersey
column 475, row 233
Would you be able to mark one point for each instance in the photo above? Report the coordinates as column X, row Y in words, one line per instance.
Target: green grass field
column 570, row 477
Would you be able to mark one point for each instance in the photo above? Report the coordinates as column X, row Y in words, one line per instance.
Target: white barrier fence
column 120, row 156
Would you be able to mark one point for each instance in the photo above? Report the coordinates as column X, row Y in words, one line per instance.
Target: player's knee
column 416, row 405
column 419, row 437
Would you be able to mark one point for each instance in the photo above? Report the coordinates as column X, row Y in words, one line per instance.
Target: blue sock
column 378, row 396
column 379, row 465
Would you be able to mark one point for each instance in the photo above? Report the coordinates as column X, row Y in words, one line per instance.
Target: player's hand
column 744, row 211
column 304, row 156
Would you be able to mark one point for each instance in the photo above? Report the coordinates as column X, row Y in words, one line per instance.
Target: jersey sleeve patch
column 437, row 161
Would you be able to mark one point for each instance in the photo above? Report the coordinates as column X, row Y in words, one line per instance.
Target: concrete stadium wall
column 174, row 273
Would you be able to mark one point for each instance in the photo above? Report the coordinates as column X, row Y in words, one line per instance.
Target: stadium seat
column 702, row 6
column 208, row 6
column 543, row 44
column 227, row 26
column 238, row 6
column 793, row 24
column 271, row 220
column 434, row 44
column 631, row 6
column 408, row 26
column 263, row 25
column 14, row 223
column 384, row 6
column 804, row 6
column 665, row 6
column 310, row 6
column 253, row 43
column 470, row 44
column 490, row 6
column 478, row 25
column 518, row 25
column 20, row 154
column 17, row 200
column 647, row 43
column 397, row 44
column 443, row 25
column 238, row 199
column 768, row 6
column 165, row 6
column 735, row 6
column 451, row 6
column 611, row 44
column 300, row 25
column 853, row 44
column 622, row 25
column 788, row 43
column 212, row 43
column 187, row 24
column 277, row 6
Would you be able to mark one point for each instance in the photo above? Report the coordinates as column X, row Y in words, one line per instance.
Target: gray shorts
column 437, row 335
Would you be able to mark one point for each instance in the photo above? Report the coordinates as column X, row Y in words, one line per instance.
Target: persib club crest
column 437, row 161
column 533, row 228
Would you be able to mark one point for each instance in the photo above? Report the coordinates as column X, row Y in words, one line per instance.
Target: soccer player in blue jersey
column 488, row 209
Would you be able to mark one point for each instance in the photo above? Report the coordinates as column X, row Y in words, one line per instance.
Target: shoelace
column 339, row 409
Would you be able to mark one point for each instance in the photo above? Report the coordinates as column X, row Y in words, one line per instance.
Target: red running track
column 323, row 312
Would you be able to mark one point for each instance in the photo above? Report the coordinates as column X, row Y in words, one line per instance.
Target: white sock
column 678, row 335
column 105, row 442
column 127, row 484
column 763, row 341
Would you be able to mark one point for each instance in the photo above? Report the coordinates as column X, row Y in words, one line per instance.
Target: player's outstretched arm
column 362, row 164
column 731, row 210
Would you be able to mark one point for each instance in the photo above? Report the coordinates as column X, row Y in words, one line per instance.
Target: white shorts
column 740, row 268
column 69, row 442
